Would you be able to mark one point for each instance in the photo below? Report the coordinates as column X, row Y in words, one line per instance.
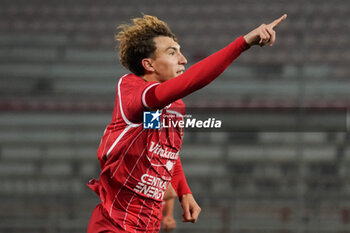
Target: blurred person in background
column 139, row 164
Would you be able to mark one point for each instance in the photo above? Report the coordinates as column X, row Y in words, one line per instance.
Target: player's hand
column 191, row 208
column 264, row 34
column 168, row 223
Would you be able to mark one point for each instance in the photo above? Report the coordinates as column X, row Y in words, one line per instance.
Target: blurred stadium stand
column 58, row 72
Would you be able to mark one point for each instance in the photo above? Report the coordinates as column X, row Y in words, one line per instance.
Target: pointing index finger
column 278, row 21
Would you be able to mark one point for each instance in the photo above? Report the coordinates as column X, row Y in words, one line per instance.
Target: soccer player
column 139, row 164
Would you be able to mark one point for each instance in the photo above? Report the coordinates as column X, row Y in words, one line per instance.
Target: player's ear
column 147, row 64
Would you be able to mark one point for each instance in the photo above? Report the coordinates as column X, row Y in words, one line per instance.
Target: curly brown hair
column 136, row 41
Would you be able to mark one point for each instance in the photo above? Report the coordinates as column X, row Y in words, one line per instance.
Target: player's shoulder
column 131, row 80
column 133, row 85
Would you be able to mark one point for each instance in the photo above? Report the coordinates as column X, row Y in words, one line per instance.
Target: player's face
column 168, row 61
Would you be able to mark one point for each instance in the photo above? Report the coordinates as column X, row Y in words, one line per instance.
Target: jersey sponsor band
column 151, row 186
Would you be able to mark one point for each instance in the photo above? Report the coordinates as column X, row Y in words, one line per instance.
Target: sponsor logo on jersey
column 164, row 153
column 151, row 186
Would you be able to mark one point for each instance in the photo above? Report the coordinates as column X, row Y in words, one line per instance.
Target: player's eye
column 172, row 53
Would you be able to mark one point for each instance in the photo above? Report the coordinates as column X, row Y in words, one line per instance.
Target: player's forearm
column 196, row 77
column 178, row 181
column 170, row 193
column 168, row 209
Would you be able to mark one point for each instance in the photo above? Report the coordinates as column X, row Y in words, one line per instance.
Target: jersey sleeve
column 196, row 77
column 178, row 180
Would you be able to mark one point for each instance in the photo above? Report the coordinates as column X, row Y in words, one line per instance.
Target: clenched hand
column 190, row 207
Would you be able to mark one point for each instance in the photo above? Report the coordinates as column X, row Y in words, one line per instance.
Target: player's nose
column 182, row 59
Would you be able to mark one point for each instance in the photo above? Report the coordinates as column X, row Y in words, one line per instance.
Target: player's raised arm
column 205, row 71
column 265, row 33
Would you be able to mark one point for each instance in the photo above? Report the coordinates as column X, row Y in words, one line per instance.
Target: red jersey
column 137, row 164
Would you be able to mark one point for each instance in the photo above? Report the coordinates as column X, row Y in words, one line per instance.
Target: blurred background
column 58, row 73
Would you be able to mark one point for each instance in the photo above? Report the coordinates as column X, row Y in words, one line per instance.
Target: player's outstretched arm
column 264, row 34
column 205, row 71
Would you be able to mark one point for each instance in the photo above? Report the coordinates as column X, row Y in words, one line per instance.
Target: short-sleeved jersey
column 137, row 164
